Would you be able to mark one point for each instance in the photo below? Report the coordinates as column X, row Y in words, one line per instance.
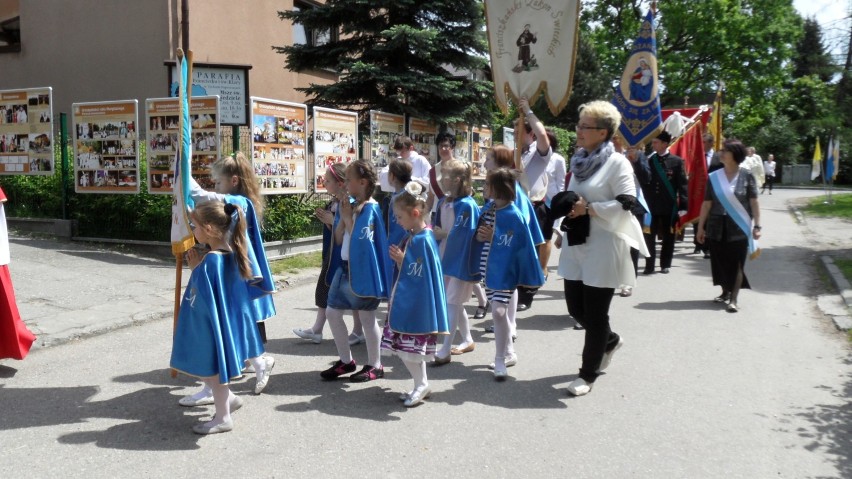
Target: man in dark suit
column 664, row 185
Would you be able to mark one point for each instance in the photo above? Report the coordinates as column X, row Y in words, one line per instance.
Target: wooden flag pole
column 519, row 143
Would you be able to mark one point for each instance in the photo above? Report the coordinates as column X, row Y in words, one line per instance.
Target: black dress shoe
column 523, row 307
column 648, row 271
column 664, row 271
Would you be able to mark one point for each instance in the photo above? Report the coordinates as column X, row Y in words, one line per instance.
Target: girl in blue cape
column 399, row 174
column 417, row 312
column 361, row 281
column 334, row 179
column 216, row 331
column 501, row 156
column 509, row 259
column 458, row 214
column 235, row 183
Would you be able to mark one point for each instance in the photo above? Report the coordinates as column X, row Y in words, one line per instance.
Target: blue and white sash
column 735, row 209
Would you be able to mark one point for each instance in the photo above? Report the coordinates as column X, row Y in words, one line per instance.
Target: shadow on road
column 147, row 425
column 831, row 427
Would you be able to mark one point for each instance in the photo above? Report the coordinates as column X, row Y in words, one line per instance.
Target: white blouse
column 603, row 261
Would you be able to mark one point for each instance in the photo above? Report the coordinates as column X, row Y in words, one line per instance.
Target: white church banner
column 533, row 46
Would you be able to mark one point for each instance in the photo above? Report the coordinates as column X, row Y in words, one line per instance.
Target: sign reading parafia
column 335, row 139
column 106, row 155
column 26, row 132
column 278, row 145
column 163, row 120
column 384, row 128
column 229, row 83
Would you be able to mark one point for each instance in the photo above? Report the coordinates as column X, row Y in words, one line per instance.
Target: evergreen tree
column 414, row 57
column 810, row 57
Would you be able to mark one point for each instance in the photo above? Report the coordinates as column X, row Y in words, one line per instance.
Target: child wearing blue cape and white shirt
column 417, row 312
column 508, row 258
column 236, row 183
column 361, row 281
column 458, row 214
column 216, row 331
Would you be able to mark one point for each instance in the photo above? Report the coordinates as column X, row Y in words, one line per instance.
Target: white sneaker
column 500, row 373
column 263, row 378
column 509, row 361
column 356, row 339
column 579, row 387
column 316, row 338
column 607, row 357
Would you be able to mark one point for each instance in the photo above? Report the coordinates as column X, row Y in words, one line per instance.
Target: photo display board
column 335, row 141
column 26, row 132
column 423, row 133
column 163, row 120
column 384, row 128
column 106, row 153
column 462, row 134
column 481, row 140
column 278, row 145
column 509, row 138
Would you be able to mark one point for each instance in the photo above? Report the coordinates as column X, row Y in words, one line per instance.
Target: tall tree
column 811, row 57
column 415, row 57
column 746, row 43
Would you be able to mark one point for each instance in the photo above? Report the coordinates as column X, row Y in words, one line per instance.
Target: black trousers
column 661, row 224
column 590, row 307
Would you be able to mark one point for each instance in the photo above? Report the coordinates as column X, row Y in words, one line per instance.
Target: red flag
column 690, row 147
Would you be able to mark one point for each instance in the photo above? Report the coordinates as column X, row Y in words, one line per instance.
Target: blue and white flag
column 182, row 237
column 830, row 172
column 638, row 96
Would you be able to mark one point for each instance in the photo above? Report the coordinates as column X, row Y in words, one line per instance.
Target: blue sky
column 833, row 17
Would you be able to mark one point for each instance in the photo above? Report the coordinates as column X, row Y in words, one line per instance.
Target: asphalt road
column 695, row 391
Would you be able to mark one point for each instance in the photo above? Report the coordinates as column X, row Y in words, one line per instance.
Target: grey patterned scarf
column 585, row 164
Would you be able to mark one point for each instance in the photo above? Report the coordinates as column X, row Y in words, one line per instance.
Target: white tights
column 221, row 399
column 460, row 321
column 372, row 335
column 502, row 333
column 418, row 373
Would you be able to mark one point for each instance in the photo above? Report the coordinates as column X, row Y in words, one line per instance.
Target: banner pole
column 519, row 131
column 63, row 142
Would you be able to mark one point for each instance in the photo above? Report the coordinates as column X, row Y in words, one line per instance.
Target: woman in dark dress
column 730, row 223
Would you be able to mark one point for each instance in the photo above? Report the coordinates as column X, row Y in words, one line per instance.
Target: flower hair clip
column 416, row 189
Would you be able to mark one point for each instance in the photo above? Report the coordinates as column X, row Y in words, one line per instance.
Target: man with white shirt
column 420, row 166
column 535, row 161
column 769, row 170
